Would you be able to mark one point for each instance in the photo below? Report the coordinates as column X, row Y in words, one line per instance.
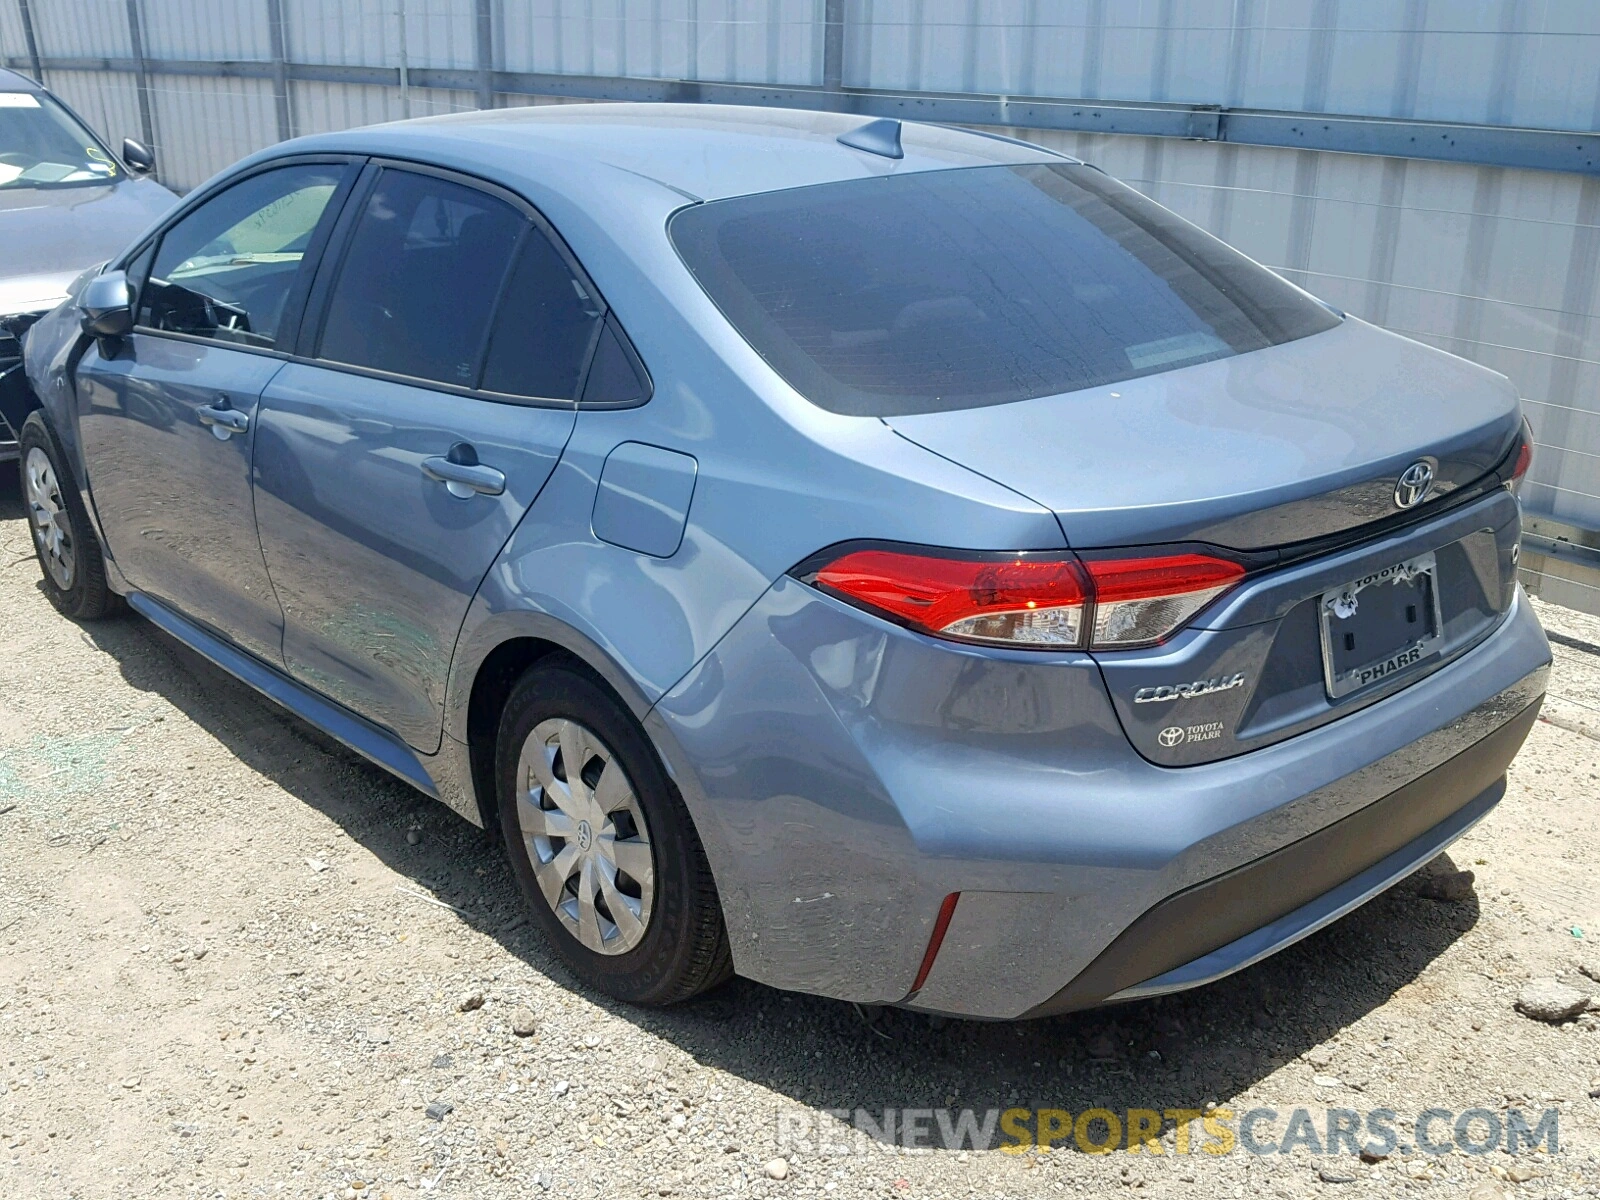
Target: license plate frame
column 1342, row 603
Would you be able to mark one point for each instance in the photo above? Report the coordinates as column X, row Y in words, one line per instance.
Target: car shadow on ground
column 1177, row 1051
column 11, row 508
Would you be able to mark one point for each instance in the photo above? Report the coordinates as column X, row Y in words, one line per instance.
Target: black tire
column 684, row 947
column 79, row 590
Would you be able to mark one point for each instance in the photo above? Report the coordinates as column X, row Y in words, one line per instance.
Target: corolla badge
column 1415, row 482
column 1187, row 691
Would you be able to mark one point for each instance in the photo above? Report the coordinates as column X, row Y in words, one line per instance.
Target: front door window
column 226, row 270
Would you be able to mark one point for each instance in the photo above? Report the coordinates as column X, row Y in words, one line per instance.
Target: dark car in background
column 66, row 203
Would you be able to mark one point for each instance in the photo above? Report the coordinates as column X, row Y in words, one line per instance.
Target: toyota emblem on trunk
column 1416, row 481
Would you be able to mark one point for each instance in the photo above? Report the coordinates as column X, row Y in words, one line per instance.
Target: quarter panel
column 766, row 496
column 852, row 773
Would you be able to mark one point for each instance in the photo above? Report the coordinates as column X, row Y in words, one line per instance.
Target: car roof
column 11, row 81
column 702, row 151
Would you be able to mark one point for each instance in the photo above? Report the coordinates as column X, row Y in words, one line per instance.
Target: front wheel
column 602, row 844
column 63, row 540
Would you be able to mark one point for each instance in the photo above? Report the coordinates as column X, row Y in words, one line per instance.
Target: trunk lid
column 1255, row 667
column 1291, row 454
column 1262, row 450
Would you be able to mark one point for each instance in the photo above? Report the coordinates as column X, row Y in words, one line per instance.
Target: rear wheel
column 63, row 540
column 602, row 844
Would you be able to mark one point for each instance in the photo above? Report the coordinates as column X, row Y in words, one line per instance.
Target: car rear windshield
column 939, row 290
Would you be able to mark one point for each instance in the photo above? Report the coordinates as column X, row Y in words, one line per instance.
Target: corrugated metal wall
column 1499, row 264
column 1499, row 62
column 108, row 100
column 746, row 41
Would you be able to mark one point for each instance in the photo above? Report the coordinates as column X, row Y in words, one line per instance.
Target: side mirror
column 105, row 306
column 138, row 156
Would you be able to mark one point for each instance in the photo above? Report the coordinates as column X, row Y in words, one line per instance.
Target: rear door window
column 948, row 289
column 418, row 284
column 543, row 328
column 225, row 270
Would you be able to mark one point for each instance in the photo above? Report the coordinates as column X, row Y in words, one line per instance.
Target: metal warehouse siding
column 362, row 33
column 324, row 107
column 79, row 28
column 204, row 29
column 13, row 42
column 436, row 33
column 203, row 125
column 747, row 41
column 1516, row 62
column 1499, row 264
column 108, row 100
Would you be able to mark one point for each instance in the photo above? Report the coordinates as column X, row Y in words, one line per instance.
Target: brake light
column 1142, row 600
column 1032, row 601
column 1024, row 601
column 1524, row 459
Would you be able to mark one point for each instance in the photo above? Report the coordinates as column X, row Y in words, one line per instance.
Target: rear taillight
column 1138, row 601
column 1524, row 458
column 1031, row 601
column 1021, row 601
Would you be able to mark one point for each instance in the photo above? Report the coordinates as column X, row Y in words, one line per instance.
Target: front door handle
column 223, row 419
column 462, row 474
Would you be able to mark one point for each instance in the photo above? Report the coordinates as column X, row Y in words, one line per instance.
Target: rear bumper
column 847, row 775
column 1227, row 923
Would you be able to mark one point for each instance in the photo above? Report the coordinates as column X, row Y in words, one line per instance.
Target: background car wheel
column 64, row 541
column 602, row 844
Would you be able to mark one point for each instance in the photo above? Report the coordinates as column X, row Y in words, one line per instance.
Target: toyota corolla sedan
column 886, row 562
column 66, row 203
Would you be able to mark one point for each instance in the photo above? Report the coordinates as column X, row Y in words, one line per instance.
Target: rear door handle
column 463, row 479
column 223, row 418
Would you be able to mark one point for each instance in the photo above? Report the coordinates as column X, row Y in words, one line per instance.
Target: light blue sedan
column 881, row 560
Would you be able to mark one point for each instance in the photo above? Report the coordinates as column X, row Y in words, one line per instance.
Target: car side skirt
column 366, row 739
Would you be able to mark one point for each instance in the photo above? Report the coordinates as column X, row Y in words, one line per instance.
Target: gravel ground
column 233, row 962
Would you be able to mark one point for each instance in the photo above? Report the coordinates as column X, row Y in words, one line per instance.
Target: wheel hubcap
column 47, row 512
column 586, row 836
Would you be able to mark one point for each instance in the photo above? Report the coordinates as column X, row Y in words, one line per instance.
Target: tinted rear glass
column 420, row 279
column 956, row 289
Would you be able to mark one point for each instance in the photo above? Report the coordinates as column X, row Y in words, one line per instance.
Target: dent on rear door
column 375, row 561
